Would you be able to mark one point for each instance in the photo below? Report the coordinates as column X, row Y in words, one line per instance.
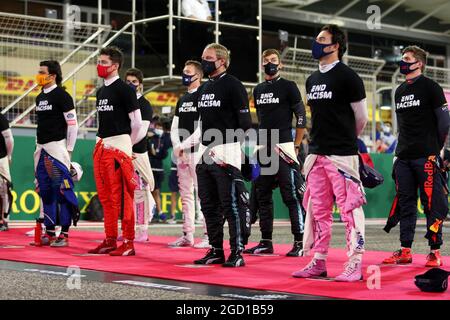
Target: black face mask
column 271, row 69
column 208, row 67
column 405, row 67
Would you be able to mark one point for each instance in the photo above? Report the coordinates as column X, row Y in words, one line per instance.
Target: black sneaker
column 155, row 219
column 234, row 260
column 4, row 226
column 296, row 249
column 213, row 256
column 263, row 247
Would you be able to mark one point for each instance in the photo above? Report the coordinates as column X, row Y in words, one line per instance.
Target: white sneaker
column 182, row 241
column 172, row 221
column 204, row 244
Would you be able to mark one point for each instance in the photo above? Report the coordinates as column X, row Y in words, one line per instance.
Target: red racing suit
column 113, row 173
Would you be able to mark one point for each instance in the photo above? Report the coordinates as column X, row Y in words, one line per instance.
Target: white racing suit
column 144, row 202
column 187, row 182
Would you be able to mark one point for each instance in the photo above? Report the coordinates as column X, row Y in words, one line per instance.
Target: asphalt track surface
column 22, row 281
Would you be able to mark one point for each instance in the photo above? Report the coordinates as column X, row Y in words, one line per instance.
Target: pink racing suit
column 333, row 179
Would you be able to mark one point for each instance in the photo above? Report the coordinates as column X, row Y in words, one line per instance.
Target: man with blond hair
column 225, row 117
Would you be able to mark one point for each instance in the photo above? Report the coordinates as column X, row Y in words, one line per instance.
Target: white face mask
column 158, row 132
column 387, row 130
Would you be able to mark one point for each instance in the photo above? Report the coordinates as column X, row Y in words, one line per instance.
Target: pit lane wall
column 26, row 201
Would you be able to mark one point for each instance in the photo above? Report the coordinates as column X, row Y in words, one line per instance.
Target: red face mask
column 102, row 71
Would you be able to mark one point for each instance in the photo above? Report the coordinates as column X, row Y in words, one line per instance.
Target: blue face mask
column 132, row 86
column 405, row 67
column 317, row 50
column 187, row 79
column 158, row 132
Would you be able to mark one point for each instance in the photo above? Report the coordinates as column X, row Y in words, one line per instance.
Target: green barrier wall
column 26, row 201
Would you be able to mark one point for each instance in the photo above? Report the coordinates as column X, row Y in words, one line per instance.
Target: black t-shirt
column 417, row 125
column 187, row 113
column 4, row 125
column 161, row 145
column 114, row 103
column 146, row 114
column 223, row 104
column 276, row 101
column 50, row 108
column 329, row 96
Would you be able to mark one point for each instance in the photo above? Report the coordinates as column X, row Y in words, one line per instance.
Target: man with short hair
column 143, row 175
column 119, row 129
column 337, row 98
column 225, row 117
column 423, row 124
column 277, row 100
column 184, row 124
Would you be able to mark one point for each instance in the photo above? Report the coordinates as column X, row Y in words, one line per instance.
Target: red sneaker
column 126, row 249
column 402, row 256
column 434, row 259
column 108, row 245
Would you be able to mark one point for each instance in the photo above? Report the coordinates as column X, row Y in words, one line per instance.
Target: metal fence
column 26, row 40
column 76, row 49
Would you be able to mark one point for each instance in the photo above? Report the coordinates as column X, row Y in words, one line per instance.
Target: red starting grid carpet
column 155, row 259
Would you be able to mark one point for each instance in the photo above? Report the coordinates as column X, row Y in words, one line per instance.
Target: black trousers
column 223, row 196
column 422, row 174
column 289, row 181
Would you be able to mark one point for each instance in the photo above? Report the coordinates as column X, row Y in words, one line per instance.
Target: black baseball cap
column 434, row 280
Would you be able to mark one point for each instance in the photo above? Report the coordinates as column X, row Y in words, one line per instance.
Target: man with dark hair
column 115, row 56
column 119, row 129
column 56, row 132
column 336, row 41
column 145, row 183
column 224, row 113
column 277, row 100
column 184, row 124
column 337, row 98
column 138, row 78
column 423, row 124
column 6, row 150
